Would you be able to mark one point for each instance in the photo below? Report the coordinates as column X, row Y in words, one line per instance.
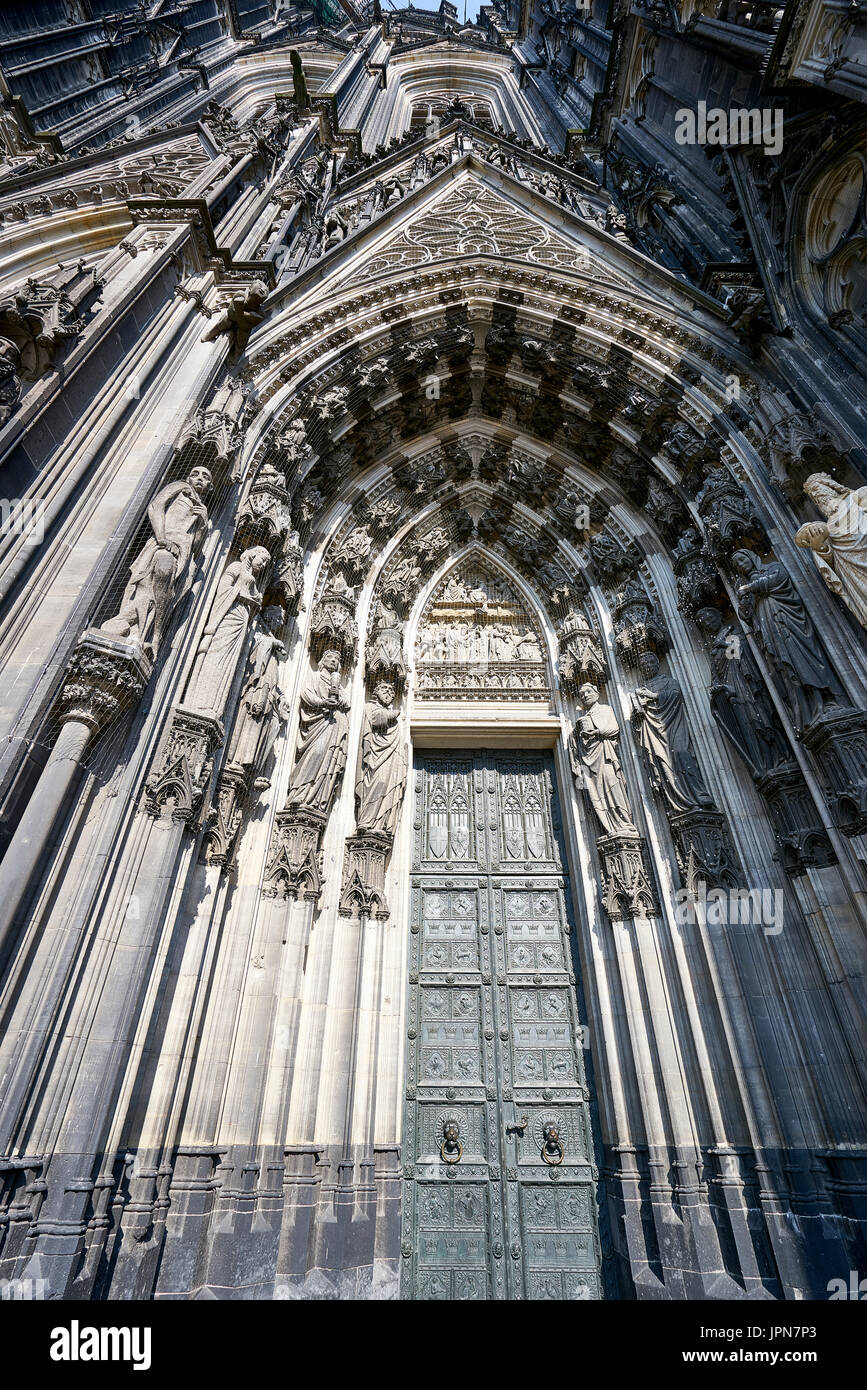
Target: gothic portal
column 433, row 591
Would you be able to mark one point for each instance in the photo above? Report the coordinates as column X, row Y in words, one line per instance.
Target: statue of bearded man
column 163, row 570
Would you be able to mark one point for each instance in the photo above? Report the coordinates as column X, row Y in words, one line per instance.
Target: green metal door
column 499, row 1191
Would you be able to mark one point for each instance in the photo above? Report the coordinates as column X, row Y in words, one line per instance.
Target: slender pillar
column 106, row 676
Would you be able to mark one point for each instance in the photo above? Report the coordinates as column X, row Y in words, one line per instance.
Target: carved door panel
column 499, row 1197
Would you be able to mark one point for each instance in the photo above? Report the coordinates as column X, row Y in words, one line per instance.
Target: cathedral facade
column 434, row 679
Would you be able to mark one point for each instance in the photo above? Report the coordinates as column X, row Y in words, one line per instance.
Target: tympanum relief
column 478, row 640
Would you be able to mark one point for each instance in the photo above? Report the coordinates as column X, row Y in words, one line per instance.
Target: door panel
column 499, row 1197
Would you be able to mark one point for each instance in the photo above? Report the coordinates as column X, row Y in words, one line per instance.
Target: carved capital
column 363, row 887
column 106, row 676
column 627, row 885
column 175, row 789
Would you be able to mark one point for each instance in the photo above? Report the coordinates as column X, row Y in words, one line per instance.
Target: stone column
column 105, row 678
column 172, row 800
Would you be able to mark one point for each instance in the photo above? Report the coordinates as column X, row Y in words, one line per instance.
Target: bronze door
column 500, row 1184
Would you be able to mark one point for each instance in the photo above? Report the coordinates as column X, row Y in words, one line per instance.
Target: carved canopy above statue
column 477, row 640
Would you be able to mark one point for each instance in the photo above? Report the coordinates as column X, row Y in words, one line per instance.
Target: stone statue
column 659, row 720
column 262, row 709
column 294, row 441
column 163, row 571
column 739, row 702
column 385, row 652
column 335, row 229
column 321, row 753
column 528, row 647
column 595, row 761
column 839, row 543
column 237, row 600
column 771, row 606
column 502, row 643
column 382, row 764
column 299, row 81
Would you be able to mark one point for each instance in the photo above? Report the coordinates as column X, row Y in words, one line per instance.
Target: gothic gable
column 470, row 217
column 473, row 220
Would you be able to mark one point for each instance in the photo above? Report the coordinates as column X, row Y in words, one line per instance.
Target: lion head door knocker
column 451, row 1148
column 552, row 1142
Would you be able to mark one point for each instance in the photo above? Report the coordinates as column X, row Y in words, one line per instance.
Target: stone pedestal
column 363, row 887
column 838, row 741
column 627, row 883
column 704, row 852
column 293, row 867
column 176, row 788
column 798, row 828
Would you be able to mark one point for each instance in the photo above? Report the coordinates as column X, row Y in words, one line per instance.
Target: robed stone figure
column 596, row 763
column 262, row 709
column 236, row 603
column 839, row 543
column 382, row 765
column 739, row 699
column 659, row 720
column 163, row 570
column 771, row 605
column 321, row 753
